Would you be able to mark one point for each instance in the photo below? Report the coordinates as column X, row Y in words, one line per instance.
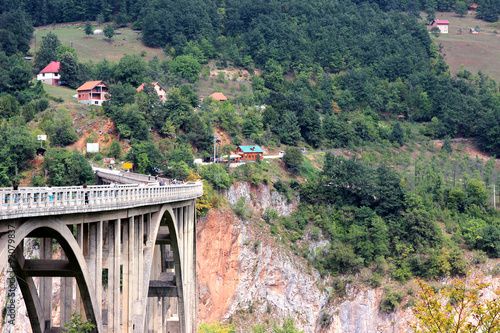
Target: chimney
column 252, row 149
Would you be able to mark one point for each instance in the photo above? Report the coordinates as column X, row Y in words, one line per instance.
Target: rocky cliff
column 246, row 276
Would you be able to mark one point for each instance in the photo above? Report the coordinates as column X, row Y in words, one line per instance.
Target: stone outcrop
column 248, row 277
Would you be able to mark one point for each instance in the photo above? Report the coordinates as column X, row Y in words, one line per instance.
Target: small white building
column 442, row 25
column 50, row 74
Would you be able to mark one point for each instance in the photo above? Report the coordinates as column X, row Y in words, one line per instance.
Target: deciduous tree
column 458, row 307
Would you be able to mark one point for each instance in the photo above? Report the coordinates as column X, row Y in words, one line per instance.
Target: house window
column 96, row 102
column 43, row 74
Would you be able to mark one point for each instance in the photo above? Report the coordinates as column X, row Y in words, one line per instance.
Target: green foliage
column 67, row 168
column 217, row 175
column 88, row 28
column 16, row 30
column 58, row 125
column 71, row 71
column 77, row 325
column 131, row 69
column 216, row 328
column 461, row 8
column 186, row 67
column 391, row 301
column 15, row 73
column 17, row 147
column 120, row 94
column 287, row 327
column 145, row 156
column 242, row 209
column 293, row 159
column 109, row 31
column 397, row 134
column 9, row 107
column 115, row 149
column 47, row 51
column 447, row 148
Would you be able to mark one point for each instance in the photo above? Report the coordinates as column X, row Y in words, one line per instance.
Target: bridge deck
column 38, row 201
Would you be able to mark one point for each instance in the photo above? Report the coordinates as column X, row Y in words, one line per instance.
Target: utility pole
column 494, row 199
column 215, row 145
column 216, row 140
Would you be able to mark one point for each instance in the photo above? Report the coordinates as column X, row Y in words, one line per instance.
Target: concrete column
column 140, row 257
column 116, row 276
column 45, row 290
column 193, row 261
column 156, row 267
column 112, row 226
column 125, row 283
column 79, row 239
column 131, row 286
column 98, row 265
column 66, row 296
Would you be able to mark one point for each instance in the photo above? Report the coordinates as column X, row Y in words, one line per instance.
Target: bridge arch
column 177, row 221
column 64, row 236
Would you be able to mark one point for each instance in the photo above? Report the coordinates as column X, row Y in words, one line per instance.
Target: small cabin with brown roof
column 442, row 25
column 219, row 97
column 93, row 92
column 50, row 74
column 162, row 92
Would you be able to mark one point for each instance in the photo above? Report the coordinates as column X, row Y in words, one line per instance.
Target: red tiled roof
column 218, row 96
column 441, row 22
column 53, row 67
column 89, row 85
column 153, row 83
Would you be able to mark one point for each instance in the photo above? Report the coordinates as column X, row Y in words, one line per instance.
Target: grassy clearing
column 60, row 92
column 97, row 47
column 230, row 89
column 467, row 51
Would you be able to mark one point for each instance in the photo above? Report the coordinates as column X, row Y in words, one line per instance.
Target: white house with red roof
column 92, row 92
column 162, row 92
column 50, row 74
column 442, row 25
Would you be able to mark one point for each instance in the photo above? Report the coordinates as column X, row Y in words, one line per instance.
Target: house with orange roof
column 442, row 25
column 93, row 92
column 219, row 97
column 162, row 92
column 50, row 74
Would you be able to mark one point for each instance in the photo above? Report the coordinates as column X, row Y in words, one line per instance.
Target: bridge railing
column 45, row 197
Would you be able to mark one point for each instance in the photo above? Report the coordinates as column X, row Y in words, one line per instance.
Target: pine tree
column 47, row 51
column 447, row 146
column 88, row 28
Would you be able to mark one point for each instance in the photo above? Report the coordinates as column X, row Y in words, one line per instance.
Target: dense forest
column 358, row 75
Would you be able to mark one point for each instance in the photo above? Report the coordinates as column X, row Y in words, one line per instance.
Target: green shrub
column 242, row 210
column 391, row 301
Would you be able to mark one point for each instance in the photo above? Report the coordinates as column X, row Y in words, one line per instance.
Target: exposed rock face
column 260, row 198
column 360, row 313
column 239, row 269
column 250, row 278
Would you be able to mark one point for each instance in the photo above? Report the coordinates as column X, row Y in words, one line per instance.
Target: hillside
column 97, row 47
column 465, row 51
column 399, row 170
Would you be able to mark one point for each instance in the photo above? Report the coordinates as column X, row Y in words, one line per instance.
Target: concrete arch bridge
column 128, row 259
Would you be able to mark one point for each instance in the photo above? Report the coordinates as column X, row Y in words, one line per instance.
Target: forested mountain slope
column 360, row 77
